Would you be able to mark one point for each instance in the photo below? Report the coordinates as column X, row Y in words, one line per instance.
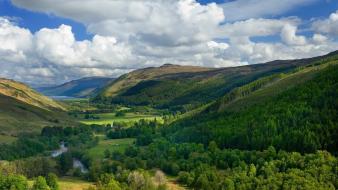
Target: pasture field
column 73, row 184
column 69, row 183
column 109, row 118
column 109, row 144
column 7, row 139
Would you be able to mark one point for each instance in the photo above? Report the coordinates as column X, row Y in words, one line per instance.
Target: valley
column 264, row 126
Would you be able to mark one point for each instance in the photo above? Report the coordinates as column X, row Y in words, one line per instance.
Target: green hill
column 185, row 87
column 294, row 111
column 81, row 88
column 24, row 110
column 23, row 93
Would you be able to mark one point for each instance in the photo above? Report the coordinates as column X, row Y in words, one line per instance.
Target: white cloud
column 319, row 39
column 327, row 26
column 256, row 27
column 155, row 22
column 290, row 37
column 135, row 34
column 15, row 41
column 55, row 54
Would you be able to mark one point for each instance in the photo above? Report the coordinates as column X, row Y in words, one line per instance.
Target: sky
column 53, row 41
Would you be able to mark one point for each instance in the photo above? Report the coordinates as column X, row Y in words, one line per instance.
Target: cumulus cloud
column 155, row 22
column 55, row 54
column 290, row 37
column 327, row 26
column 134, row 34
column 15, row 41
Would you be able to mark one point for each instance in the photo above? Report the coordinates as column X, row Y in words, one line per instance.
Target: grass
column 73, row 184
column 108, row 118
column 67, row 183
column 78, row 104
column 19, row 117
column 7, row 139
column 109, row 144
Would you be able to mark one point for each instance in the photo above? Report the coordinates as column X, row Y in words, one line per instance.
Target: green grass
column 7, row 139
column 78, row 104
column 108, row 118
column 109, row 144
column 68, row 183
column 18, row 117
column 73, row 184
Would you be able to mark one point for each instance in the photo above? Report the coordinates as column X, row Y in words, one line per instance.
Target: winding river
column 76, row 162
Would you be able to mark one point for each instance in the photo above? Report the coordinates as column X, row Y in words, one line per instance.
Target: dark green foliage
column 212, row 168
column 66, row 162
column 16, row 182
column 52, row 181
column 50, row 138
column 40, row 184
column 143, row 128
column 120, row 114
column 303, row 118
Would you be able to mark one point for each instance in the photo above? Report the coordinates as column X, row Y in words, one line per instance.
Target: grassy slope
column 17, row 116
column 24, row 110
column 128, row 80
column 171, row 86
column 27, row 95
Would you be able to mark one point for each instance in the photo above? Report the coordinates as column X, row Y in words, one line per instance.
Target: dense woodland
column 303, row 119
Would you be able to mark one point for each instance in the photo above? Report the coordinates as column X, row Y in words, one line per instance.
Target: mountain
column 80, row 88
column 24, row 110
column 185, row 87
column 294, row 111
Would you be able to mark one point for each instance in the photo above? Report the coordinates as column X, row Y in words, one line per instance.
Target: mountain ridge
column 79, row 88
column 173, row 86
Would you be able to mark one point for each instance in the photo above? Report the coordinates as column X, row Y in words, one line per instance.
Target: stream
column 76, row 162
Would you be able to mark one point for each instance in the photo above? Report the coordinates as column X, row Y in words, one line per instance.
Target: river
column 76, row 162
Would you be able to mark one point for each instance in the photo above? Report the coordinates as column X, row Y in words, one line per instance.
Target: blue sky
column 35, row 21
column 73, row 39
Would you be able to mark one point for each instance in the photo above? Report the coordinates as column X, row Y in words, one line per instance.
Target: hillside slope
column 23, row 93
column 24, row 110
column 129, row 80
column 80, row 88
column 183, row 87
column 294, row 111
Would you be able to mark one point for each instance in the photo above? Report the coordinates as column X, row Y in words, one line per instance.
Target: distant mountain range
column 81, row 88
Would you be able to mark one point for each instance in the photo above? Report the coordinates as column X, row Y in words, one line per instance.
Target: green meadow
column 7, row 139
column 109, row 118
column 109, row 144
